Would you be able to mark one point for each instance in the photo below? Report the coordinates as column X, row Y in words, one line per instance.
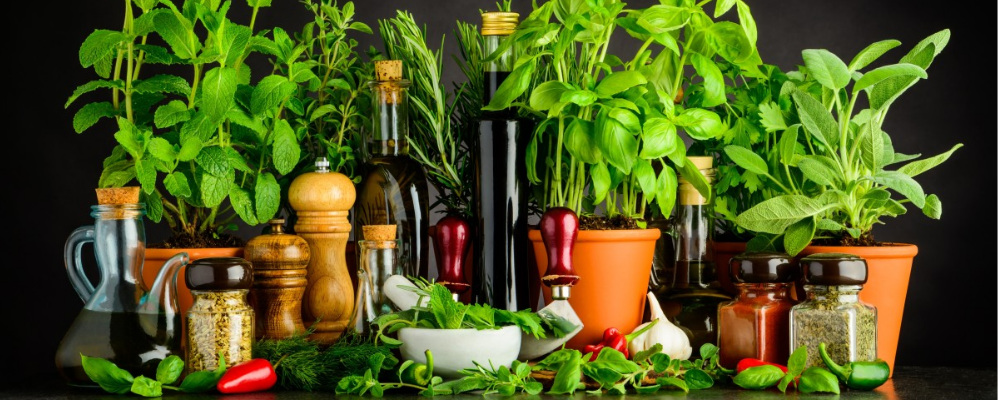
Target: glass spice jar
column 755, row 324
column 378, row 259
column 220, row 319
column 832, row 312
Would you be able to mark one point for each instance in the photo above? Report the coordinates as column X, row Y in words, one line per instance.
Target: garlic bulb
column 674, row 341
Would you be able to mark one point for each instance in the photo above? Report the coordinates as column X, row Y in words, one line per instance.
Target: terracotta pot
column 614, row 268
column 156, row 257
column 889, row 269
column 724, row 251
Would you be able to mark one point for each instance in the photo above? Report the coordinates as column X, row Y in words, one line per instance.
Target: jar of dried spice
column 832, row 312
column 755, row 325
column 220, row 320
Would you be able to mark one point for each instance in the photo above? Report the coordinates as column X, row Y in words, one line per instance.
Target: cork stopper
column 499, row 23
column 115, row 196
column 388, row 70
column 689, row 195
column 379, row 232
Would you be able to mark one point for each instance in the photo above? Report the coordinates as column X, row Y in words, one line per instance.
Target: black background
column 50, row 172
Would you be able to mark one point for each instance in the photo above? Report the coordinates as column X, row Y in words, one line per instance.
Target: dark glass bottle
column 695, row 295
column 501, row 277
column 394, row 188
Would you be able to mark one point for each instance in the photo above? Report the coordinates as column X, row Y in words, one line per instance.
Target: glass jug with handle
column 122, row 320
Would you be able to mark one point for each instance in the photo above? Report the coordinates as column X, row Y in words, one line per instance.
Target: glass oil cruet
column 122, row 320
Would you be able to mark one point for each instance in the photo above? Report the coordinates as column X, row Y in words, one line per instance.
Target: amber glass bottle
column 501, row 180
column 394, row 188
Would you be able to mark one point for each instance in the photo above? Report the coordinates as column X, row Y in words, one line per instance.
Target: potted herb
column 832, row 173
column 206, row 143
column 609, row 124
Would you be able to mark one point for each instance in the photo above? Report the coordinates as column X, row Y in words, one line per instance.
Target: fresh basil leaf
column 659, row 139
column 547, row 94
column 568, row 375
column 647, row 389
column 666, row 190
column 106, row 374
column 146, row 387
column 672, row 382
column 697, row 379
column 169, row 370
column 714, row 85
column 618, row 82
column 817, row 379
column 580, row 141
column 202, row 381
column 758, row 378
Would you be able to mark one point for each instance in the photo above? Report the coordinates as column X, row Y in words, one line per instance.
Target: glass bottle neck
column 496, row 70
column 841, row 293
column 390, row 121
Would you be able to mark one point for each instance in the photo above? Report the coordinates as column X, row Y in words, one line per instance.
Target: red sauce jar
column 755, row 324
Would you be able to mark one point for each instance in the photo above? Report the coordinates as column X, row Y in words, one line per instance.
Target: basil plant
column 612, row 124
column 829, row 169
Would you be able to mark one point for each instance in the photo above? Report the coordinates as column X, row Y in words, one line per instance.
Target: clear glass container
column 220, row 319
column 832, row 312
column 377, row 260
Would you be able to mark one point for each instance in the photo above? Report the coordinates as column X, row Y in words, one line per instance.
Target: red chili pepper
column 593, row 349
column 753, row 362
column 610, row 333
column 620, row 343
column 249, row 376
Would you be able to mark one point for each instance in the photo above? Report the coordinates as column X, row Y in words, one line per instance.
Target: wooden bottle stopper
column 322, row 200
column 122, row 195
column 279, row 281
column 388, row 70
column 383, row 236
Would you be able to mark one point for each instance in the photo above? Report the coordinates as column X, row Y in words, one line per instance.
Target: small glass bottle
column 832, row 312
column 220, row 319
column 755, row 324
column 378, row 257
column 693, row 299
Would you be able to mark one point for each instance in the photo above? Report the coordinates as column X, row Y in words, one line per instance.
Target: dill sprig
column 306, row 366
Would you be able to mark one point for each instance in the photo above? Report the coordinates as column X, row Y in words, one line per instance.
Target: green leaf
column 91, row 86
column 618, row 82
column 886, row 72
column 214, row 160
column 117, row 174
column 659, row 139
column 145, row 23
column 796, row 364
column 190, row 149
column 267, row 196
column 177, row 184
column 884, row 93
column 871, row 53
column 786, row 144
column 514, row 86
column 729, row 40
column 129, row 137
column 176, row 33
column 935, row 42
column 672, row 382
column 871, row 147
column 747, row 159
column 932, row 206
column 918, row 167
column 270, row 93
column 213, row 189
column 715, row 86
column 198, row 126
column 799, row 235
column 302, row 72
column 202, row 381
column 820, row 169
column 617, row 144
column 106, row 374
column 286, row 149
column 581, row 98
column 903, row 184
column 568, row 376
column 816, row 119
column 89, row 114
column 723, row 6
column 171, row 114
column 237, row 161
column 98, row 45
column 146, row 387
column 154, row 206
column 547, row 94
column 697, row 379
column 747, row 22
column 218, row 93
column 448, row 313
column 771, row 118
column 242, row 202
column 666, row 190
column 234, row 42
column 145, row 173
column 644, row 172
column 778, row 213
column 818, row 379
column 602, row 181
column 163, row 84
column 701, row 124
column 827, row 68
column 259, row 3
column 162, row 150
column 758, row 378
column 580, row 141
column 693, row 175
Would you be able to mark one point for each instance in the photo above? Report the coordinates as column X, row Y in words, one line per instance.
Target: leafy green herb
column 817, row 379
column 146, row 387
column 759, row 377
column 305, row 366
column 203, row 381
column 169, row 370
column 796, row 364
column 116, row 380
column 106, row 374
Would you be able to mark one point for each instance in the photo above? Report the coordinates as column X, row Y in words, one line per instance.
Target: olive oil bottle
column 394, row 188
column 501, row 277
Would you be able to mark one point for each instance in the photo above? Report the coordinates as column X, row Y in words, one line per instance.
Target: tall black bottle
column 501, row 277
column 394, row 187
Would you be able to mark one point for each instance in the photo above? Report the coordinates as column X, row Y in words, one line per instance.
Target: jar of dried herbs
column 220, row 319
column 832, row 312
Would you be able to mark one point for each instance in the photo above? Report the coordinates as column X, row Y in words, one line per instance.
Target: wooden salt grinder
column 321, row 201
column 279, row 280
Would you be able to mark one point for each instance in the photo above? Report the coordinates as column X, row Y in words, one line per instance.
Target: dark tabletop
column 908, row 383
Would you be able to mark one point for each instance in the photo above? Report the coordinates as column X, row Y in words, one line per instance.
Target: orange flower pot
column 156, row 257
column 889, row 269
column 614, row 268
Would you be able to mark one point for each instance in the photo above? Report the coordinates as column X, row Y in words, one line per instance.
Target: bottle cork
column 380, row 233
column 388, row 70
column 114, row 196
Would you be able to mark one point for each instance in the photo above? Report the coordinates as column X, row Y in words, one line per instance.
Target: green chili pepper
column 420, row 374
column 861, row 375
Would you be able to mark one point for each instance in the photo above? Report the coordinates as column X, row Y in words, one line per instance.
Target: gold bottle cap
column 388, row 70
column 688, row 194
column 499, row 23
column 702, row 162
column 115, row 196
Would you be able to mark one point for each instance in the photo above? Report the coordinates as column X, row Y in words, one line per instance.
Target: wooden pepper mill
column 279, row 280
column 321, row 201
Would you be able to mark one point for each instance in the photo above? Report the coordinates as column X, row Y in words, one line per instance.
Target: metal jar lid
column 219, row 273
column 834, row 269
column 762, row 267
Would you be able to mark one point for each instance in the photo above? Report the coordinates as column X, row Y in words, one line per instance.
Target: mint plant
column 828, row 169
column 204, row 132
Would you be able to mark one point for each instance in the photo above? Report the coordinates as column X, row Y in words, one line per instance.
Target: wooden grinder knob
column 279, row 281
